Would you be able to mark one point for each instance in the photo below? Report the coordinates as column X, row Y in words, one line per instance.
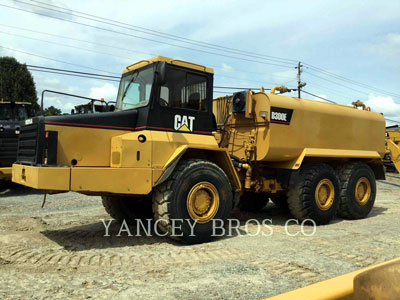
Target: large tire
column 357, row 190
column 253, row 202
column 128, row 208
column 181, row 196
column 316, row 194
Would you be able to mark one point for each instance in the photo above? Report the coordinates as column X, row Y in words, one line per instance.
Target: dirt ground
column 60, row 252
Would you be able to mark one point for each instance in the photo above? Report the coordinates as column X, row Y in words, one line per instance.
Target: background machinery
column 171, row 152
column 94, row 106
column 392, row 156
column 11, row 113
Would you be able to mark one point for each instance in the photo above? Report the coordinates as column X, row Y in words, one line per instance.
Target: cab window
column 184, row 90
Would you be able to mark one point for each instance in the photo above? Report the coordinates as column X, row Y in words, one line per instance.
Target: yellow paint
column 5, row 173
column 89, row 146
column 338, row 288
column 184, row 128
column 172, row 61
column 18, row 103
column 324, row 194
column 394, row 152
column 49, row 178
column 317, row 129
column 133, row 167
column 326, row 153
column 363, row 191
column 203, row 202
column 113, row 180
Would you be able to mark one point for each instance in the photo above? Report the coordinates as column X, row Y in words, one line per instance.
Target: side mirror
column 111, row 107
column 72, row 111
column 161, row 72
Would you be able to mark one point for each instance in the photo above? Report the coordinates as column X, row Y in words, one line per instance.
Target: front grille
column 31, row 141
column 8, row 147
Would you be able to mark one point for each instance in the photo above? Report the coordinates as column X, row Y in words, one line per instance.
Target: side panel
column 56, row 179
column 112, row 180
column 89, row 146
column 326, row 154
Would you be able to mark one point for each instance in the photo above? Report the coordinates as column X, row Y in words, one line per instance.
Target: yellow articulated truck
column 392, row 156
column 172, row 152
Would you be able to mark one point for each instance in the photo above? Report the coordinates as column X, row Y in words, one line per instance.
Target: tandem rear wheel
column 357, row 190
column 316, row 194
column 322, row 192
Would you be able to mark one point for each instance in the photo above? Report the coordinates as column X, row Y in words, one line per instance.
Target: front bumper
column 136, row 181
column 5, row 173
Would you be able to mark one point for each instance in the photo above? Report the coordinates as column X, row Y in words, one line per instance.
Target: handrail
column 66, row 94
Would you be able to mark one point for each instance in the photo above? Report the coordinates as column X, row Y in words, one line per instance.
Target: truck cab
column 11, row 113
column 157, row 99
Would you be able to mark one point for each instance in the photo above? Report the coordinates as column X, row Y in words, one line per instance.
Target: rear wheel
column 357, row 190
column 253, row 202
column 198, row 191
column 128, row 208
column 316, row 194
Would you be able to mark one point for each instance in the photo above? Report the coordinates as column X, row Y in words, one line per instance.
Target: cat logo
column 183, row 123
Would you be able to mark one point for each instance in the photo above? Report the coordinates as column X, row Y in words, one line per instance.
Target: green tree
column 52, row 111
column 16, row 82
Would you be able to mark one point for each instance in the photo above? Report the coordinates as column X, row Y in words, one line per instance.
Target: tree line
column 17, row 85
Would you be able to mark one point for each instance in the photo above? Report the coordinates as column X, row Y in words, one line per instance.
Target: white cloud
column 284, row 77
column 385, row 105
column 107, row 91
column 388, row 47
column 227, row 68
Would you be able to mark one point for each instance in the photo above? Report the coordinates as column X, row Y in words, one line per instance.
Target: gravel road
column 60, row 252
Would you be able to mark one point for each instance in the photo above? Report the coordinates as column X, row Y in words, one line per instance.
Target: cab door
column 183, row 103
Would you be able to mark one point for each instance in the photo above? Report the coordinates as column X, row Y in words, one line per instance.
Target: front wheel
column 128, row 208
column 194, row 203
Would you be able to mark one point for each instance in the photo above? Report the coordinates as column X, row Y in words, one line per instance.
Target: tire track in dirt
column 117, row 257
column 324, row 248
column 279, row 268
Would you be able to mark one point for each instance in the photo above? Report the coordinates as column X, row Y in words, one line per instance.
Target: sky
column 350, row 49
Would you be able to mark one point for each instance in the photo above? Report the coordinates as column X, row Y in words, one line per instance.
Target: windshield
column 17, row 112
column 21, row 112
column 5, row 112
column 135, row 89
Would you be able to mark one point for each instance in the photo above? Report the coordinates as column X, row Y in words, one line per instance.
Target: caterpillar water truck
column 171, row 151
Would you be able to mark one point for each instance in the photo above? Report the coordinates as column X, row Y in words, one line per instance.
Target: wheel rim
column 203, row 202
column 324, row 194
column 362, row 191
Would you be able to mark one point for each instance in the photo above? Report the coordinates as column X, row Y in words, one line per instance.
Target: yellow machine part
column 353, row 286
column 393, row 135
column 83, row 140
column 5, row 173
column 316, row 129
column 171, row 61
column 118, row 157
column 394, row 150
